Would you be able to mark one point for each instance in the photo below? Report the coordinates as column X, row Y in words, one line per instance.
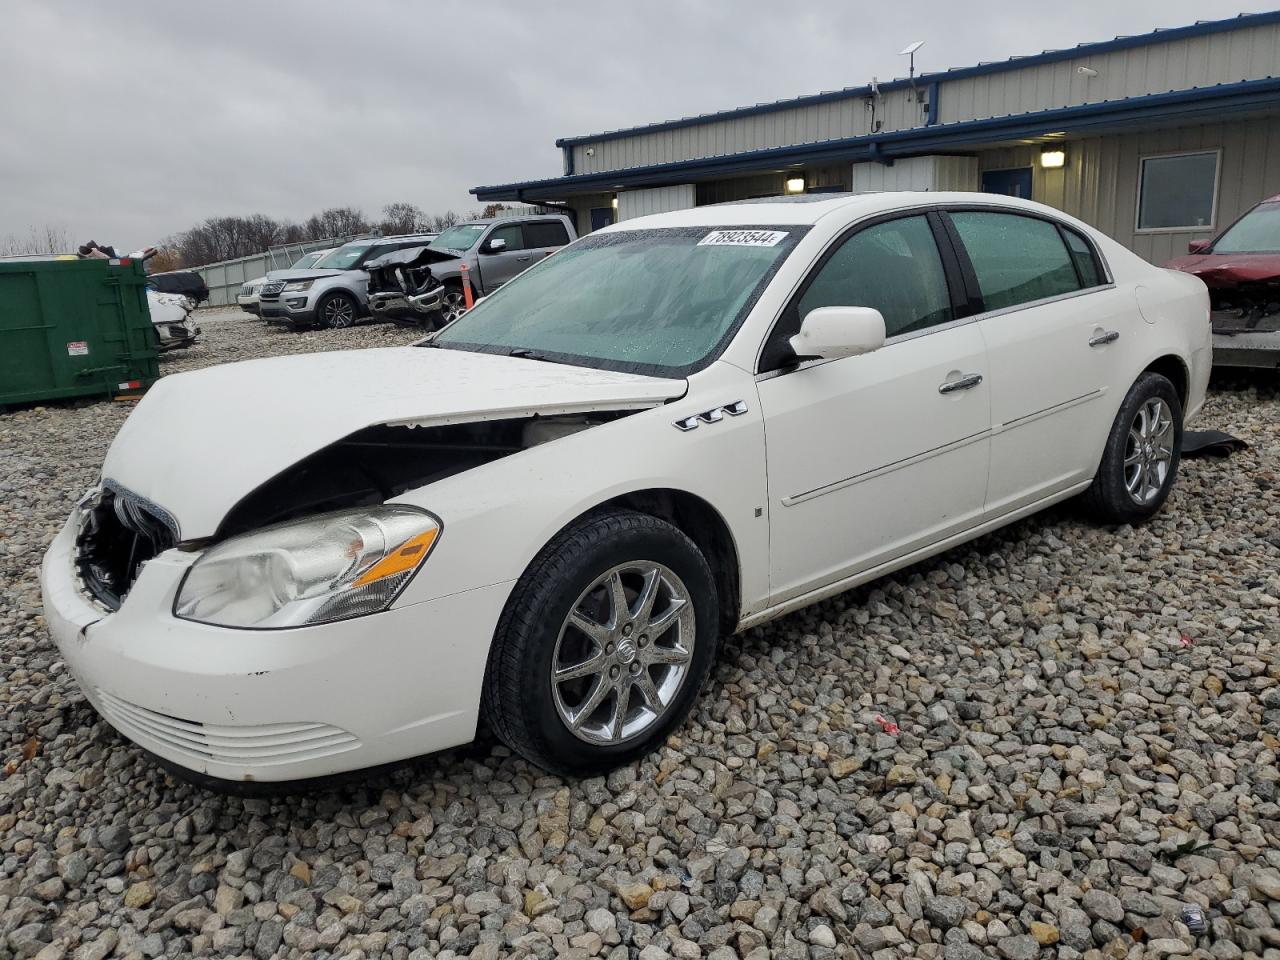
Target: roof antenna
column 910, row 51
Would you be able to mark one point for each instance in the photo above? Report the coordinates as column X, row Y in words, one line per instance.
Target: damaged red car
column 1241, row 268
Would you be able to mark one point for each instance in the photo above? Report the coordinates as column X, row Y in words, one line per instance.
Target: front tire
column 452, row 305
column 1140, row 461
column 604, row 644
column 338, row 311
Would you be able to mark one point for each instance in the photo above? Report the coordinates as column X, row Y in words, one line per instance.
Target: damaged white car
column 547, row 515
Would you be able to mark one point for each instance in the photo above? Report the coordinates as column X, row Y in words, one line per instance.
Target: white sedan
column 547, row 515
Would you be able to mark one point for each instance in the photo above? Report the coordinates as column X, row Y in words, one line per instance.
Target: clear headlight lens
column 297, row 286
column 330, row 567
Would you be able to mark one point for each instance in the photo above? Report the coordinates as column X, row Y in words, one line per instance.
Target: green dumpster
column 72, row 328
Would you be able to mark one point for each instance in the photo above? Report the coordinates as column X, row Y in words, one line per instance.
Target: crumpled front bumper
column 272, row 705
column 396, row 305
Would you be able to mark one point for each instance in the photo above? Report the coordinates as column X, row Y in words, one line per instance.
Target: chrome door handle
column 1110, row 336
column 523, row 259
column 968, row 381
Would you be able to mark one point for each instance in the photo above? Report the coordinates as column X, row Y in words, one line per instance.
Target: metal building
column 1156, row 139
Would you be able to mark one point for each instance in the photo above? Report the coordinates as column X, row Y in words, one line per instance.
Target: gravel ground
column 1045, row 743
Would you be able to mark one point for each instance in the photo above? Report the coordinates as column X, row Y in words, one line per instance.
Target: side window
column 511, row 234
column 1085, row 259
column 545, row 233
column 1016, row 259
column 894, row 267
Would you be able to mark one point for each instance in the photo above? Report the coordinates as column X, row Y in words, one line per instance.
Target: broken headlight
column 330, row 567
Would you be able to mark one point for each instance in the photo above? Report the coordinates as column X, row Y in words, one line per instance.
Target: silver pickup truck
column 423, row 285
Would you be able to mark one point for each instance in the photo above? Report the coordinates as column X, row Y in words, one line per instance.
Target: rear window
column 545, row 233
column 1016, row 259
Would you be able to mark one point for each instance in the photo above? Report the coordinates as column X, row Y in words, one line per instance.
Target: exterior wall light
column 615, row 201
column 1053, row 159
column 795, row 185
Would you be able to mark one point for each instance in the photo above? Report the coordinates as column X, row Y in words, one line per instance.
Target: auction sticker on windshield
column 743, row 238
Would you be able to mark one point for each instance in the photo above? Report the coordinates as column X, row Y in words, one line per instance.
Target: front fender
column 497, row 517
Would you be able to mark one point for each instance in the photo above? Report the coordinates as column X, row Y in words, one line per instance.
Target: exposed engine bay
column 403, row 288
column 378, row 463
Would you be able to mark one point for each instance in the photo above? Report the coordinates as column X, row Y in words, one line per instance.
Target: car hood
column 412, row 257
column 199, row 442
column 1229, row 269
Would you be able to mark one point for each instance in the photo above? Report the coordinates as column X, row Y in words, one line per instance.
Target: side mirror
column 1198, row 246
column 834, row 332
column 496, row 245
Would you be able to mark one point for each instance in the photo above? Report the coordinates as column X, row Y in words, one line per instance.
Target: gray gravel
column 1067, row 774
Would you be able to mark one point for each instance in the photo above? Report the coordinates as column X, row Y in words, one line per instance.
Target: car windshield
column 344, row 257
column 1258, row 231
column 662, row 302
column 459, row 238
column 306, row 260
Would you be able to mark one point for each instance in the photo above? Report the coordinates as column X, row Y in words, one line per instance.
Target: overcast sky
column 128, row 122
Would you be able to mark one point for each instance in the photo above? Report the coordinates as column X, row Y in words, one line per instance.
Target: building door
column 1011, row 183
column 601, row 217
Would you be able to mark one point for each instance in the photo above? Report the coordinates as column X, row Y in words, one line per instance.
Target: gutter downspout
column 932, row 118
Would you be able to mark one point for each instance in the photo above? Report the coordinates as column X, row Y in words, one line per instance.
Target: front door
column 1054, row 331
column 872, row 457
column 499, row 266
column 1009, row 183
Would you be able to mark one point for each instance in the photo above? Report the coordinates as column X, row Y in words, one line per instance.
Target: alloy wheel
column 1148, row 453
column 623, row 653
column 452, row 305
column 339, row 312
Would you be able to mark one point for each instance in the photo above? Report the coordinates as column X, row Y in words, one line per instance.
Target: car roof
column 810, row 208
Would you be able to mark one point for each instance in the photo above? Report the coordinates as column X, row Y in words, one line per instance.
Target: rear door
column 1054, row 327
column 544, row 237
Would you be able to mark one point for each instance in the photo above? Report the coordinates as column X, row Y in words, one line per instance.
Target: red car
column 1241, row 268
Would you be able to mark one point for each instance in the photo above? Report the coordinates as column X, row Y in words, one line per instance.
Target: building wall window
column 1178, row 191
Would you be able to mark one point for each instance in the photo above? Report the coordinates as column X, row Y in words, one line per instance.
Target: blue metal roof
column 1212, row 101
column 1200, row 28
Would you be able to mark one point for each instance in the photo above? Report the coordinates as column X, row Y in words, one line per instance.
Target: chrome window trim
column 920, row 210
column 943, row 327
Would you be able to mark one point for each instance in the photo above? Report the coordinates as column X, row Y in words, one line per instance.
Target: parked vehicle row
column 424, row 286
column 548, row 514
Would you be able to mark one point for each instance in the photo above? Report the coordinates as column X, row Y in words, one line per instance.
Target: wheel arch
column 704, row 525
column 1175, row 370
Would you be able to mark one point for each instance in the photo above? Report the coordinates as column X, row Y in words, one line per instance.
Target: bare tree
column 41, row 240
column 443, row 221
column 402, row 218
column 335, row 222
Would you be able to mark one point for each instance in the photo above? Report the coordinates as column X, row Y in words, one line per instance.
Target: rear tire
column 1140, row 461
column 625, row 673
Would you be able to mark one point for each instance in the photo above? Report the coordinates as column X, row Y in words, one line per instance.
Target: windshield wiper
column 524, row 353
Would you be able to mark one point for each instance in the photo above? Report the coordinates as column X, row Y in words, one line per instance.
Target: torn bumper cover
column 402, row 287
column 234, row 705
